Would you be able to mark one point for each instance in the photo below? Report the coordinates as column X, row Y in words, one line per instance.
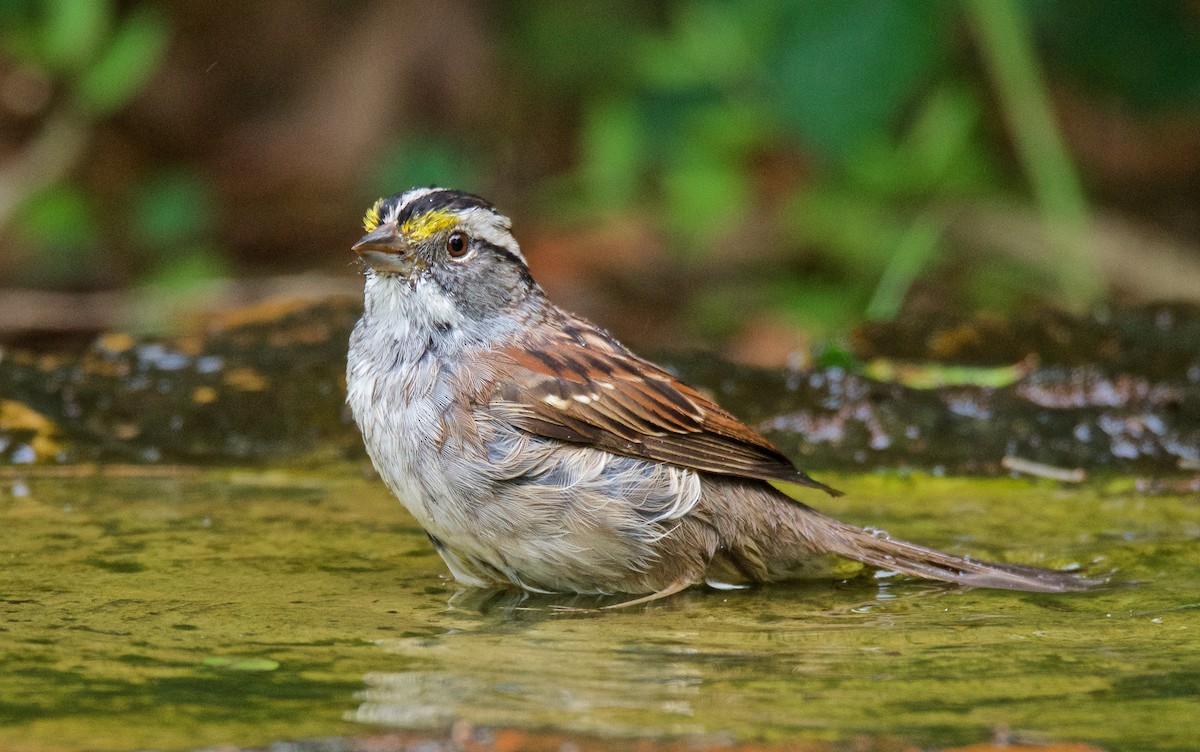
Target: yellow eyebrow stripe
column 428, row 224
column 371, row 218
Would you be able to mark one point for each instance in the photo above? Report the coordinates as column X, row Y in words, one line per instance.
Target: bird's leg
column 669, row 590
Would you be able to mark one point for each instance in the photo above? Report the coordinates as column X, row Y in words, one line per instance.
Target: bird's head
column 450, row 246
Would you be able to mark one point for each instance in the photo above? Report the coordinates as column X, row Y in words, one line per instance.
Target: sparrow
column 538, row 452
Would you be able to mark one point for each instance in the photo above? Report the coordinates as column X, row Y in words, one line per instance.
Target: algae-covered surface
column 1118, row 392
column 193, row 608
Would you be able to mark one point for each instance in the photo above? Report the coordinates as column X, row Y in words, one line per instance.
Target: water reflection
column 693, row 664
column 277, row 606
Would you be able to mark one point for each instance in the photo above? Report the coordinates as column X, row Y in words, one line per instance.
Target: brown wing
column 581, row 386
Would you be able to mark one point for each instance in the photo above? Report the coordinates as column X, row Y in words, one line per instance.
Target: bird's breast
column 399, row 401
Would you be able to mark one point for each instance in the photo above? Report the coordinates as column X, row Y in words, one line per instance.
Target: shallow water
column 199, row 608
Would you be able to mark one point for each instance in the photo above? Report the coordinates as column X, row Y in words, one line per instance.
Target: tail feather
column 879, row 550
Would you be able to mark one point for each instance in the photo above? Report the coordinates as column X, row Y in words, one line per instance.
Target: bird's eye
column 457, row 244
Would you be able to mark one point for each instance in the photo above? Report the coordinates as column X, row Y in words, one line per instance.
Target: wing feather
column 580, row 385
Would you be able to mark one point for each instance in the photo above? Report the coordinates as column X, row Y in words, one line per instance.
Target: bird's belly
column 419, row 484
column 525, row 510
column 538, row 533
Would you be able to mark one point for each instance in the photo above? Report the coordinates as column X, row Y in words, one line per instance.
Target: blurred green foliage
column 1145, row 52
column 59, row 220
column 884, row 102
column 172, row 219
column 420, row 160
column 105, row 60
column 98, row 59
column 833, row 138
column 873, row 91
column 172, row 208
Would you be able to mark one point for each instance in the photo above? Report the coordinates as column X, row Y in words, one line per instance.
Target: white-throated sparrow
column 536, row 450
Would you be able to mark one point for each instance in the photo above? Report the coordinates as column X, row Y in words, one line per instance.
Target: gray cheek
column 483, row 286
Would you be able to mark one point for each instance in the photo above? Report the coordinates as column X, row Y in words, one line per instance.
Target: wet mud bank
column 1049, row 393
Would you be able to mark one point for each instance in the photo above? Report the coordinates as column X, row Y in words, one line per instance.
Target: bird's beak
column 383, row 239
column 385, row 250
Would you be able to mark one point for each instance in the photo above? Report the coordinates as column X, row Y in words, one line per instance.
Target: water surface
column 197, row 608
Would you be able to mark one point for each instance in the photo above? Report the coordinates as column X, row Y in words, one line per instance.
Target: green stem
column 917, row 246
column 1006, row 42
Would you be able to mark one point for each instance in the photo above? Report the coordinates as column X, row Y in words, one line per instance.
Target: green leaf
column 19, row 34
column 937, row 375
column 704, row 197
column 189, row 270
column 859, row 230
column 71, row 31
column 125, row 65
column 728, row 129
column 709, row 45
column 179, row 283
column 613, row 147
column 172, row 208
column 420, row 160
column 915, row 249
column 817, row 306
column 60, row 224
column 944, row 139
column 845, row 67
column 837, row 355
column 941, row 153
column 58, row 216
